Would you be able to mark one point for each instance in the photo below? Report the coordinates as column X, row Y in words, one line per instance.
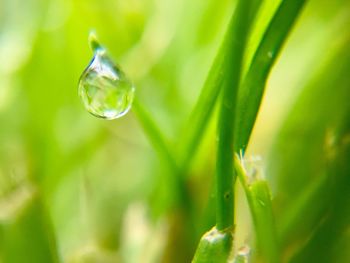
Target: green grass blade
column 253, row 86
column 264, row 221
column 319, row 152
column 329, row 241
column 158, row 141
column 290, row 224
column 200, row 116
column 225, row 176
column 260, row 205
column 154, row 134
column 205, row 104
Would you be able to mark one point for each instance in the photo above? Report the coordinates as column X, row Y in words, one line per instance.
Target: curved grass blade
column 260, row 205
column 159, row 143
column 154, row 134
column 205, row 104
column 253, row 86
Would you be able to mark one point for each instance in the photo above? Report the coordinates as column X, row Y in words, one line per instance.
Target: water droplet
column 104, row 88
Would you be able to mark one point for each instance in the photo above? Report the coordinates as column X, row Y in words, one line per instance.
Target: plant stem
column 225, row 176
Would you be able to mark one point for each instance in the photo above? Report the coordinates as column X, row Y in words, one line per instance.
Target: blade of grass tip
column 200, row 116
column 225, row 176
column 250, row 95
column 260, row 205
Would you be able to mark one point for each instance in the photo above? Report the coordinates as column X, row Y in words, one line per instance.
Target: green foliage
column 142, row 189
column 324, row 170
column 254, row 83
column 259, row 199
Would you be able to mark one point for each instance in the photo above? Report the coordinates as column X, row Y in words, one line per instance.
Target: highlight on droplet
column 104, row 89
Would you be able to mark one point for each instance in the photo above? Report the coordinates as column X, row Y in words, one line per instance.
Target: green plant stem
column 225, row 176
column 253, row 86
column 260, row 205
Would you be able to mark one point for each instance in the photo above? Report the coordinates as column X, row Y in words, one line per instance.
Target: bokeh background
column 98, row 188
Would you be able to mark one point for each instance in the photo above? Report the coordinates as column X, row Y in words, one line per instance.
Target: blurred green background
column 96, row 189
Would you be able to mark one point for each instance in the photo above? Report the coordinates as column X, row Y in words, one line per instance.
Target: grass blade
column 260, row 205
column 253, row 86
column 322, row 167
column 225, row 176
column 154, row 134
column 204, row 107
column 159, row 143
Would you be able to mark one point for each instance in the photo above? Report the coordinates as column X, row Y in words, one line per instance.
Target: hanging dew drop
column 104, row 88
